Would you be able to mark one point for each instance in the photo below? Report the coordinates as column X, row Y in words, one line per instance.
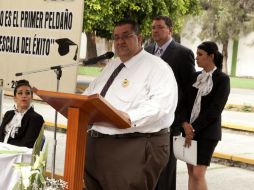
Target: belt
column 96, row 134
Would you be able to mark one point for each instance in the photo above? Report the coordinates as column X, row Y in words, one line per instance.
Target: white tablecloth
column 9, row 155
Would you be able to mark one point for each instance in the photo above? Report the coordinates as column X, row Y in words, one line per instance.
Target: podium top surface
column 95, row 106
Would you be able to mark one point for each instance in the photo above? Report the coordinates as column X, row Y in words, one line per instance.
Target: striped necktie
column 111, row 79
column 158, row 52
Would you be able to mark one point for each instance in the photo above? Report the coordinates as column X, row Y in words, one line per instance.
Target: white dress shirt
column 11, row 129
column 145, row 88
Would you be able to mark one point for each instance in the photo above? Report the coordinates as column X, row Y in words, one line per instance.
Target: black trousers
column 125, row 163
column 167, row 180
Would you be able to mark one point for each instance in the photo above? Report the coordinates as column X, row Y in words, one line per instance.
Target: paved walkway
column 219, row 177
column 241, row 96
column 242, row 119
column 237, row 146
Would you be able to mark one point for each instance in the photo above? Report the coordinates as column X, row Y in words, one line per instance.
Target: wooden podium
column 80, row 111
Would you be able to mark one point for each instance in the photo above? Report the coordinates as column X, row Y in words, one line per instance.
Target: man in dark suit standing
column 181, row 60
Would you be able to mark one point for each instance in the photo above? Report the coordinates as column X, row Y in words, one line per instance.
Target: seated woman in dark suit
column 21, row 126
column 204, row 104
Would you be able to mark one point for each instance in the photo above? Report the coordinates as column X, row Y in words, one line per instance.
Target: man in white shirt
column 143, row 89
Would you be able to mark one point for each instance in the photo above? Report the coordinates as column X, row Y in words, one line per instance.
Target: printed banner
column 36, row 35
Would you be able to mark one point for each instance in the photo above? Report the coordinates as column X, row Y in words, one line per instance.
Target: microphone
column 90, row 61
column 94, row 60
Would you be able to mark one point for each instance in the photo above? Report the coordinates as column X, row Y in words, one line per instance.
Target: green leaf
column 10, row 151
column 37, row 145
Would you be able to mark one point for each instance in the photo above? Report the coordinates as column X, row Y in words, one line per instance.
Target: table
column 9, row 155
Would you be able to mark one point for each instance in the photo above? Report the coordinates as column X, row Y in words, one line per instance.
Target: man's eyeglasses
column 27, row 93
column 123, row 37
column 158, row 27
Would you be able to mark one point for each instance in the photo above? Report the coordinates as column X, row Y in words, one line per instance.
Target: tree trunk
column 225, row 56
column 91, row 45
column 109, row 45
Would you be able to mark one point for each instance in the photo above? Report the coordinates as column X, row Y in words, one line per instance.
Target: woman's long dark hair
column 212, row 48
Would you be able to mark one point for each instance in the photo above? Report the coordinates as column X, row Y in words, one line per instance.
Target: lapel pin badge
column 125, row 83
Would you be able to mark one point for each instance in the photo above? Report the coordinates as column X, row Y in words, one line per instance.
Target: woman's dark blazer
column 208, row 123
column 30, row 128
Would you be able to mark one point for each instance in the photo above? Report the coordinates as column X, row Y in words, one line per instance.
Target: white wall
column 245, row 60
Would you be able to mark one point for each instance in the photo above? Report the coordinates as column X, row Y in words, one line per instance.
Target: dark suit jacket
column 30, row 128
column 181, row 60
column 208, row 123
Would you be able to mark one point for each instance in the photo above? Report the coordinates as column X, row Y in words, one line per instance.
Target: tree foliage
column 100, row 15
column 223, row 20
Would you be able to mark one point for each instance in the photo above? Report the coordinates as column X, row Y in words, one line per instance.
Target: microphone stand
column 58, row 70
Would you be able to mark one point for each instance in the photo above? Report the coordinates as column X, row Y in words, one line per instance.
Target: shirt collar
column 165, row 45
column 134, row 59
column 210, row 72
column 24, row 112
